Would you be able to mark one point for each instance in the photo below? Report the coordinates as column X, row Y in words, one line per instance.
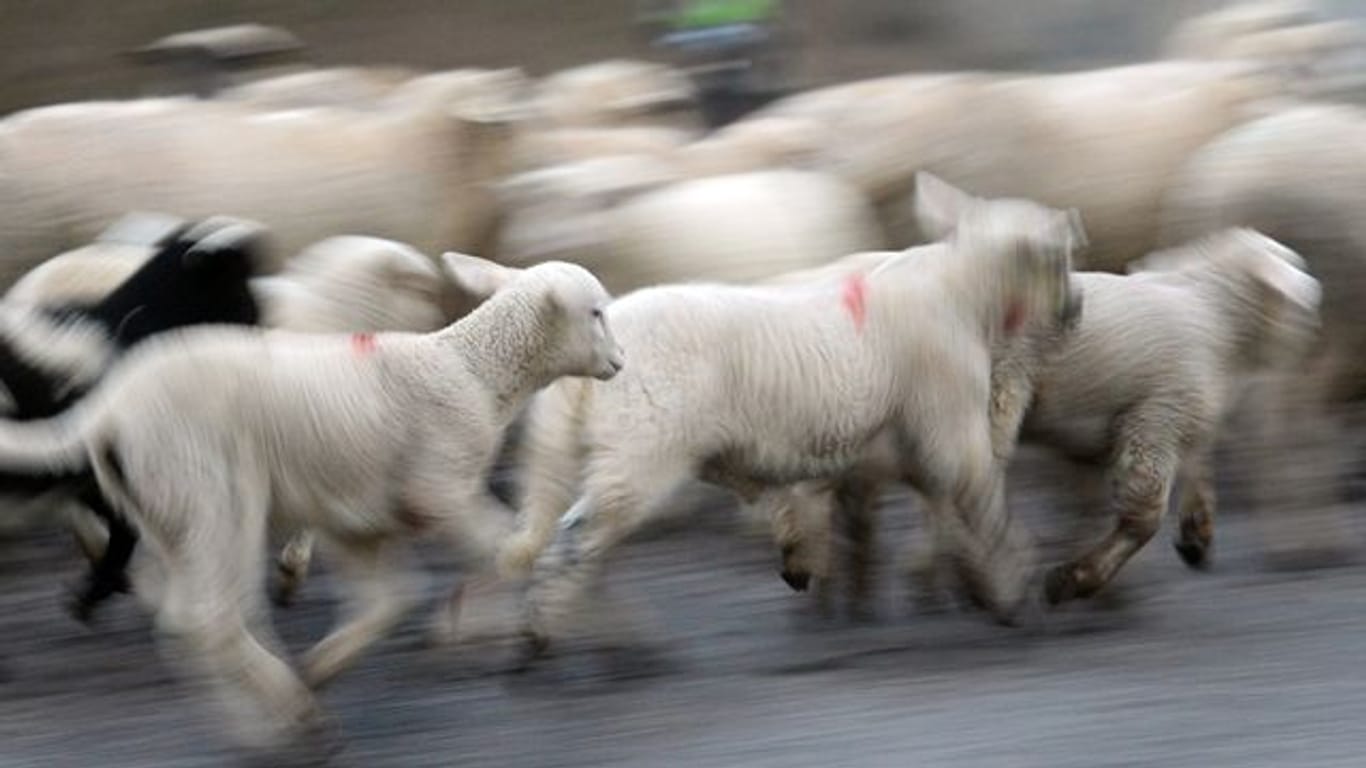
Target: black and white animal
column 49, row 358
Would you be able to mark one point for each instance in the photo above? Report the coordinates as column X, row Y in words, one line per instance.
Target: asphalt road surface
column 1238, row 666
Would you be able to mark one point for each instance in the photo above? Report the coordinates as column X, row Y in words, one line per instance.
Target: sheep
column 536, row 149
column 50, row 358
column 1306, row 54
column 355, row 87
column 1158, row 360
column 1296, row 176
column 341, row 284
column 371, row 440
column 615, row 92
column 1210, row 35
column 757, row 387
column 1105, row 141
column 414, row 169
column 635, row 222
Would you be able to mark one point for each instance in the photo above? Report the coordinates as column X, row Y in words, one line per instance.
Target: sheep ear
column 938, row 204
column 479, row 278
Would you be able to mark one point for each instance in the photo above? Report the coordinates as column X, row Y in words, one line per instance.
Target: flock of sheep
column 889, row 281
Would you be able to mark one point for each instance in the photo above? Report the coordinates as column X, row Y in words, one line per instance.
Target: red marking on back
column 854, row 298
column 363, row 343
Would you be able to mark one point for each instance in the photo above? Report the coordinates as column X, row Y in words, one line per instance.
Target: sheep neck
column 506, row 345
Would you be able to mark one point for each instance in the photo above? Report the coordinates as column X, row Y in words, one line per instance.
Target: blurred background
column 62, row 50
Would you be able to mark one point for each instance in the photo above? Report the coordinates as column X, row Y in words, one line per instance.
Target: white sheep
column 414, row 169
column 341, row 284
column 1298, row 177
column 203, row 438
column 355, row 87
column 1105, row 141
column 615, row 92
column 758, row 387
column 1140, row 389
column 635, row 222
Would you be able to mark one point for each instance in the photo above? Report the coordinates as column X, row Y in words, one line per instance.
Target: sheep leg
column 854, row 504
column 1197, row 502
column 214, row 603
column 570, row 569
column 476, row 532
column 1141, row 479
column 291, row 566
column 382, row 590
column 931, row 558
column 110, row 574
column 964, row 487
column 799, row 520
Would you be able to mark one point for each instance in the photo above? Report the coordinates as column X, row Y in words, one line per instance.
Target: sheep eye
column 597, row 313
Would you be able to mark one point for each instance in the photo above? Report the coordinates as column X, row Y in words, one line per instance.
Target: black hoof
column 1060, row 585
column 535, row 647
column 798, row 581
column 281, row 597
column 1193, row 554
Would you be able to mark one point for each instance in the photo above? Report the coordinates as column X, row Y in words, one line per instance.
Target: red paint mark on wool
column 854, row 298
column 363, row 343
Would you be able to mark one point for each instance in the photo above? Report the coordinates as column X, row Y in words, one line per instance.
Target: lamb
column 370, row 440
column 635, row 222
column 414, row 169
column 1145, row 405
column 1296, row 176
column 341, row 284
column 50, row 358
column 809, row 379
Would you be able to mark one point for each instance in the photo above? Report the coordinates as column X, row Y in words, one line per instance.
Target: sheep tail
column 552, row 457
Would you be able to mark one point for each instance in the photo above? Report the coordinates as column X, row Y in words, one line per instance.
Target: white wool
column 415, row 169
column 1145, row 382
column 634, row 223
column 758, row 387
column 1105, row 141
column 368, row 441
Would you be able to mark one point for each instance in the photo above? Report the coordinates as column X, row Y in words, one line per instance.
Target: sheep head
column 1024, row 247
column 572, row 304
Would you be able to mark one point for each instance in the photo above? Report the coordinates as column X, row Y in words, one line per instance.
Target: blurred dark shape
column 734, row 50
column 203, row 59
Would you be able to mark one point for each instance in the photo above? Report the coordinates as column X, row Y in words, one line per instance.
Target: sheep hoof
column 281, row 595
column 799, row 581
column 1194, row 554
column 1060, row 585
column 535, row 647
column 286, row 586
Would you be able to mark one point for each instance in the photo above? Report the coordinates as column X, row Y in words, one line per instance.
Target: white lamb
column 754, row 388
column 203, row 438
column 1140, row 389
column 338, row 285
